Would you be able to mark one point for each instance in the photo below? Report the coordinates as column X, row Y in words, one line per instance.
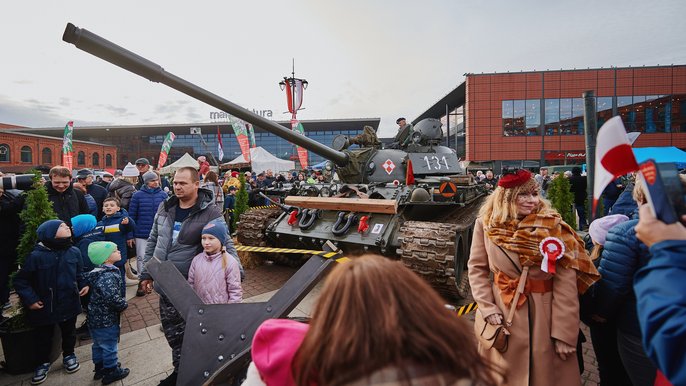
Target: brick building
column 20, row 152
column 529, row 119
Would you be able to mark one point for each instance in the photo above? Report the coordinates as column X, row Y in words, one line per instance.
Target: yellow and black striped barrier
column 462, row 310
column 254, row 207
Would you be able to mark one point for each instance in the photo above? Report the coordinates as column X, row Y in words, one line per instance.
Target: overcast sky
column 362, row 58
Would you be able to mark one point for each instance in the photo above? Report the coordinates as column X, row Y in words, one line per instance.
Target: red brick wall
column 37, row 144
column 484, row 95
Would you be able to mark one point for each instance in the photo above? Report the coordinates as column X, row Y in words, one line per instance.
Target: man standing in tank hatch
column 402, row 138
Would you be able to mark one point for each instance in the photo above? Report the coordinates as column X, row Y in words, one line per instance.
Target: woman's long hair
column 211, row 177
column 501, row 205
column 375, row 313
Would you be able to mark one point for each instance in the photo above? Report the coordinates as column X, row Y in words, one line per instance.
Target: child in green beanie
column 105, row 305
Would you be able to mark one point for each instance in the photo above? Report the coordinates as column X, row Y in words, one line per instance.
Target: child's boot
column 40, row 374
column 71, row 364
column 114, row 374
column 98, row 371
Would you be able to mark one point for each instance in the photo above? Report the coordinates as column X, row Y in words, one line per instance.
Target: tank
column 414, row 203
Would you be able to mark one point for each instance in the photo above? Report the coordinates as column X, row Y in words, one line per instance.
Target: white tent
column 184, row 161
column 261, row 160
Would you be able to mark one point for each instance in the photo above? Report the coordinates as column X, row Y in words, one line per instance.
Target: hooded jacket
column 187, row 244
column 106, row 301
column 99, row 194
column 123, row 190
column 67, row 204
column 142, row 208
column 213, row 283
column 53, row 277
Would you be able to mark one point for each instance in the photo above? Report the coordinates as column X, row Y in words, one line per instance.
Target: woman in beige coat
column 514, row 227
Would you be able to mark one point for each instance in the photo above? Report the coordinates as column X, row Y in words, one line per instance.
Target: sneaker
column 41, row 374
column 71, row 364
column 100, row 371
column 114, row 374
column 170, row 380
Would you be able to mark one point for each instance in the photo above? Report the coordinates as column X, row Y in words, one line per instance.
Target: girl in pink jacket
column 214, row 274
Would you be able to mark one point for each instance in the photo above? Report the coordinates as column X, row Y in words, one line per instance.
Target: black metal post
column 591, row 129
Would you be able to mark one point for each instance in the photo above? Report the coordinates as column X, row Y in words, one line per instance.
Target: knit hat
column 130, row 171
column 599, row 227
column 231, row 188
column 83, row 223
column 99, row 251
column 234, row 174
column 512, row 180
column 202, row 158
column 217, row 229
column 150, row 176
column 273, row 348
column 48, row 229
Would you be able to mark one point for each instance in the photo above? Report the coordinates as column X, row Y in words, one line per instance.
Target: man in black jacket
column 99, row 194
column 578, row 187
column 11, row 203
column 66, row 201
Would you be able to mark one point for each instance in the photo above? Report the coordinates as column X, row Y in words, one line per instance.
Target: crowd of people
column 529, row 271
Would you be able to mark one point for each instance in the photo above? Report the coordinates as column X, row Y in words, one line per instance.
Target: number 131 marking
column 435, row 163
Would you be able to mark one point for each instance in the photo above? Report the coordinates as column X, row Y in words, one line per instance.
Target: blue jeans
column 581, row 210
column 105, row 341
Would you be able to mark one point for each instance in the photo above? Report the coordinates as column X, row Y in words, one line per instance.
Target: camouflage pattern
column 173, row 326
column 367, row 138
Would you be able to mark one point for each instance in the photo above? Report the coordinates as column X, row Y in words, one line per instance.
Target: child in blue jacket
column 118, row 228
column 103, row 310
column 49, row 285
column 85, row 232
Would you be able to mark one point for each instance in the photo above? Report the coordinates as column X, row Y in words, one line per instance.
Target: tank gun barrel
column 108, row 51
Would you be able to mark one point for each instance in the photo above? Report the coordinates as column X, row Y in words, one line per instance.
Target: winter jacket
column 123, row 190
column 142, row 209
column 83, row 241
column 204, row 168
column 11, row 205
column 106, row 301
column 217, row 193
column 67, row 204
column 117, row 232
column 187, row 244
column 53, row 277
column 625, row 204
column 622, row 256
column 232, row 181
column 578, row 188
column 92, row 205
column 213, row 283
column 661, row 292
column 230, row 202
column 99, row 194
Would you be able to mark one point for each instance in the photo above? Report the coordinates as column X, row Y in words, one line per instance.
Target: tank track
column 251, row 231
column 429, row 249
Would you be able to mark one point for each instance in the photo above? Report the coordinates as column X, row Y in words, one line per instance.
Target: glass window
column 604, row 109
column 81, row 158
column 26, row 154
column 624, row 101
column 108, row 160
column 519, row 114
column 4, row 152
column 46, row 156
column 552, row 116
column 533, row 116
column 678, row 121
column 566, row 122
column 507, row 117
column 96, row 159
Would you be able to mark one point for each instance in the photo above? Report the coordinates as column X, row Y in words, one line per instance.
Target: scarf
column 524, row 236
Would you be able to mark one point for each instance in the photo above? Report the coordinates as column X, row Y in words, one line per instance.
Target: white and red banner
column 251, row 134
column 164, row 152
column 67, row 146
column 294, row 94
column 220, row 146
column 242, row 136
column 613, row 156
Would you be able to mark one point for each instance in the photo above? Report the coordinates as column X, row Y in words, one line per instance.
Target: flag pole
column 590, row 131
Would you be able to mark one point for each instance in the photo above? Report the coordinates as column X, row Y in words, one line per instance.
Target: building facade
column 137, row 141
column 530, row 119
column 20, row 152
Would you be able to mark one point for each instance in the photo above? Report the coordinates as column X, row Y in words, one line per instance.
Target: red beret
column 234, row 174
column 512, row 180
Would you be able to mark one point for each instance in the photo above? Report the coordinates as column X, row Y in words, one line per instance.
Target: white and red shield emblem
column 552, row 250
column 388, row 166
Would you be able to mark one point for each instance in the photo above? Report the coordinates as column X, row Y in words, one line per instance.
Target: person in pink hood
column 214, row 275
column 204, row 166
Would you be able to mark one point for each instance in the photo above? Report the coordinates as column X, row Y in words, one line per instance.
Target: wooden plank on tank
column 346, row 204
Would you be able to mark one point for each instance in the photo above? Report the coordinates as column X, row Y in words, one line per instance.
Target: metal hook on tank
column 307, row 218
column 337, row 229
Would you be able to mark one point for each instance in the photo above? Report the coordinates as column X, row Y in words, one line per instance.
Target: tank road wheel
column 432, row 250
column 251, row 232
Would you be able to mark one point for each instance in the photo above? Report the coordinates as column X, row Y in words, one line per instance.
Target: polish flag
column 613, row 156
